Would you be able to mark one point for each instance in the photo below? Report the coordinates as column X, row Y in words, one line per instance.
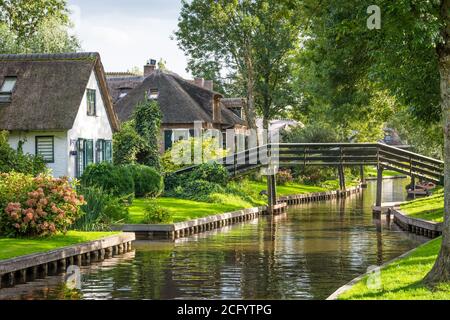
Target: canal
column 306, row 253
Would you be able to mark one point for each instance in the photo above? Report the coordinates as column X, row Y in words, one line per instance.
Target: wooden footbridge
column 337, row 155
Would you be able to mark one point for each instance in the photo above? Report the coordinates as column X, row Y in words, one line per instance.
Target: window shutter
column 89, row 152
column 80, row 158
column 45, row 148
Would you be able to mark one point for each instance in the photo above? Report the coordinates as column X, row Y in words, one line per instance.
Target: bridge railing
column 333, row 154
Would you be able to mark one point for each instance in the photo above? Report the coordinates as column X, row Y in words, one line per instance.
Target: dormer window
column 7, row 88
column 124, row 91
column 153, row 94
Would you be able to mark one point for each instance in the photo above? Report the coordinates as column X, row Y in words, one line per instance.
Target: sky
column 128, row 33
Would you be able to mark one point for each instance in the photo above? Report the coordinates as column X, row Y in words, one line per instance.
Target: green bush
column 116, row 180
column 155, row 214
column 147, row 181
column 198, row 190
column 101, row 210
column 12, row 160
column 213, row 172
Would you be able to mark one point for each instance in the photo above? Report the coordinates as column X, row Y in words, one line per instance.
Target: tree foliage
column 251, row 40
column 35, row 26
column 147, row 118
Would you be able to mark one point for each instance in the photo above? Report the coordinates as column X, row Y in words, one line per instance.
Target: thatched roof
column 49, row 90
column 180, row 100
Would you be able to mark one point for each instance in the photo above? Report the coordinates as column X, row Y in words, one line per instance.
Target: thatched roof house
column 58, row 106
column 182, row 102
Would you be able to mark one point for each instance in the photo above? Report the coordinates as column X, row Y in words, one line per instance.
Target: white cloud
column 125, row 41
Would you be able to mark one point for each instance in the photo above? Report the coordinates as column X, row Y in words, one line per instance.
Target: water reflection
column 304, row 254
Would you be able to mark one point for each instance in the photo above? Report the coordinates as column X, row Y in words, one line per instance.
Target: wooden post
column 379, row 186
column 341, row 177
column 413, row 185
column 271, row 192
column 363, row 178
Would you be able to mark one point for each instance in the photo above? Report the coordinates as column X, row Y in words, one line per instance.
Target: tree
column 254, row 39
column 24, row 17
column 408, row 59
column 147, row 117
column 35, row 26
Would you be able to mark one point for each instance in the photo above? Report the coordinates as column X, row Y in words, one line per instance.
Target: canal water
column 306, row 253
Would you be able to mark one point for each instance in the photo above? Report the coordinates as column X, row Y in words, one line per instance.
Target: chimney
column 209, row 85
column 199, row 82
column 149, row 68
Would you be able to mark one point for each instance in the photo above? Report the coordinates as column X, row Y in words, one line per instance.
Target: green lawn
column 372, row 172
column 11, row 248
column 402, row 280
column 184, row 210
column 430, row 208
column 288, row 189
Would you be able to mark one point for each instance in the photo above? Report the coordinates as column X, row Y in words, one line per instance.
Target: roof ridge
column 50, row 56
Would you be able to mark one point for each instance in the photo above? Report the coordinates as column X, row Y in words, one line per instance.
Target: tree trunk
column 441, row 269
column 249, row 108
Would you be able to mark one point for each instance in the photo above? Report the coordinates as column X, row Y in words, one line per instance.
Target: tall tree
column 408, row 59
column 252, row 38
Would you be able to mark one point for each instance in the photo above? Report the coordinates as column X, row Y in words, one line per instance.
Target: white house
column 58, row 106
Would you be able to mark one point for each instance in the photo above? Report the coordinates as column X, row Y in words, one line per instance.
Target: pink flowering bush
column 39, row 206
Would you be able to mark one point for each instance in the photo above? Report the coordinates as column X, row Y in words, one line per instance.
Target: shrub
column 213, row 172
column 147, row 117
column 155, row 214
column 38, row 207
column 284, row 177
column 100, row 210
column 198, row 190
column 127, row 144
column 12, row 160
column 147, row 181
column 116, row 180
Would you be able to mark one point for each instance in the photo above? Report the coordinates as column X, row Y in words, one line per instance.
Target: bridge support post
column 362, row 177
column 341, row 177
column 379, row 186
column 271, row 192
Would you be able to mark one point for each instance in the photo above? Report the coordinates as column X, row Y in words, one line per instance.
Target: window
column 45, row 148
column 89, row 152
column 153, row 94
column 108, row 154
column 91, row 102
column 237, row 111
column 7, row 88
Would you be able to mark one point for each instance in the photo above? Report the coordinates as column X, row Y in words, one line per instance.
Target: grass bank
column 430, row 208
column 184, row 210
column 402, row 279
column 14, row 247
